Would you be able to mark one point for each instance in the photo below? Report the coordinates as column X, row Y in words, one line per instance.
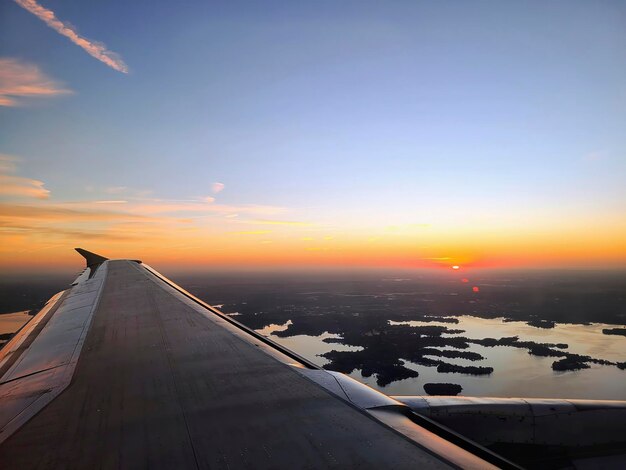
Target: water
column 11, row 322
column 516, row 373
column 309, row 347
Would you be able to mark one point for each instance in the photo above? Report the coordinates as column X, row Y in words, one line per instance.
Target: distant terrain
column 372, row 311
column 369, row 313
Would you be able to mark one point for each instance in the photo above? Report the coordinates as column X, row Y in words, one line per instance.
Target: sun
column 456, row 267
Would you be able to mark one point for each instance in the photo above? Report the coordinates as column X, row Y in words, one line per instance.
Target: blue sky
column 359, row 112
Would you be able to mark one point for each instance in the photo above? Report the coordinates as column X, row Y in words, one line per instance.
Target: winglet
column 91, row 258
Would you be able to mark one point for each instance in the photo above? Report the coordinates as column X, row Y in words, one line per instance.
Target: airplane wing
column 127, row 369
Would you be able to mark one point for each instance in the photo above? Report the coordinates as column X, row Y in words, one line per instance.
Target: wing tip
column 92, row 259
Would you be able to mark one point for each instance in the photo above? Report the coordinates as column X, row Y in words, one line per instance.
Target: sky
column 311, row 134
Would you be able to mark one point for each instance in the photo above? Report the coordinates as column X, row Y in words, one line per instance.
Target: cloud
column 123, row 220
column 59, row 212
column 280, row 222
column 8, row 164
column 406, row 227
column 21, row 80
column 34, row 228
column 135, row 201
column 217, row 187
column 17, row 186
column 252, row 232
column 165, row 206
column 22, row 187
column 40, row 221
column 125, row 191
column 116, row 189
column 95, row 49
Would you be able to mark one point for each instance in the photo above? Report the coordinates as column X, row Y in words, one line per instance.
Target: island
column 568, row 364
column 444, row 367
column 538, row 323
column 442, row 389
column 614, row 331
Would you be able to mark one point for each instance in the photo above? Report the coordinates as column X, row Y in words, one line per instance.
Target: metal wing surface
column 125, row 369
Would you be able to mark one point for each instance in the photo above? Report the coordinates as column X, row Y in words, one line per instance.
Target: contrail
column 95, row 49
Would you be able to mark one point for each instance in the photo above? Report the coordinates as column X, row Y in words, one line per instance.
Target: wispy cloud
column 95, row 49
column 217, row 187
column 202, row 207
column 406, row 227
column 21, row 80
column 125, row 191
column 22, row 187
column 139, row 201
column 252, row 232
column 84, row 233
column 17, row 186
column 8, row 163
column 115, row 218
column 59, row 212
column 280, row 222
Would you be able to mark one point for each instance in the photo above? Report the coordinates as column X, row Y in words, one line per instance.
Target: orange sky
column 40, row 234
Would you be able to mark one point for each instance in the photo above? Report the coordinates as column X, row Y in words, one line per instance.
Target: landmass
column 614, row 331
column 540, row 323
column 569, row 364
column 472, row 370
column 442, row 389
